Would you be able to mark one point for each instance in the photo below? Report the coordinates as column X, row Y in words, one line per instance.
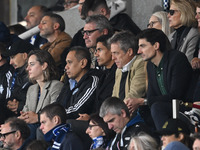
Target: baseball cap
column 19, row 46
column 173, row 126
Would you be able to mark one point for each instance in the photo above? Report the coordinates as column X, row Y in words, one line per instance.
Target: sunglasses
column 5, row 134
column 171, row 12
column 88, row 32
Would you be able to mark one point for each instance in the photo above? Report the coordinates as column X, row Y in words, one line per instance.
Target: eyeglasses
column 150, row 25
column 70, row 2
column 5, row 134
column 90, row 126
column 88, row 32
column 171, row 12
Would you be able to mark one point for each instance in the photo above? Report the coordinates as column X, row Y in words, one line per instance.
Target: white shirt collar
column 128, row 66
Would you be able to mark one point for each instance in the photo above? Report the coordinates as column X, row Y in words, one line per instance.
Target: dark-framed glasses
column 150, row 25
column 90, row 126
column 88, row 32
column 5, row 134
column 171, row 12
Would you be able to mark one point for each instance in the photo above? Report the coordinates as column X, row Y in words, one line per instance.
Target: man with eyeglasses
column 14, row 134
column 95, row 26
column 70, row 3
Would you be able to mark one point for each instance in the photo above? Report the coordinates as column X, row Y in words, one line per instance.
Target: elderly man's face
column 8, row 137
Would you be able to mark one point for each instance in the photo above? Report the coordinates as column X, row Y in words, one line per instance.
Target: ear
column 180, row 136
column 25, row 56
column 157, row 46
column 130, row 52
column 18, row 134
column 105, row 31
column 56, row 26
column 103, row 12
column 56, row 120
column 123, row 113
column 44, row 66
column 83, row 63
column 0, row 57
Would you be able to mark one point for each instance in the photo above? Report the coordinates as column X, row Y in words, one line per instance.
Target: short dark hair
column 42, row 56
column 38, row 144
column 93, row 5
column 154, row 35
column 53, row 110
column 104, row 40
column 18, row 124
column 126, row 40
column 58, row 19
column 82, row 53
column 43, row 9
column 114, row 106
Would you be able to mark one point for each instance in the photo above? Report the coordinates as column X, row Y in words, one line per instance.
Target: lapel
column 34, row 97
column 173, row 41
column 43, row 96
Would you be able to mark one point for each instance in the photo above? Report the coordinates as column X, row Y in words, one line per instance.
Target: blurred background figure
column 160, row 21
column 38, row 144
column 182, row 18
column 16, row 29
column 143, row 141
column 70, row 3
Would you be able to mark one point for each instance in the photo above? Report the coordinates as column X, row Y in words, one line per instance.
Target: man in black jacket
column 169, row 74
column 18, row 53
column 78, row 93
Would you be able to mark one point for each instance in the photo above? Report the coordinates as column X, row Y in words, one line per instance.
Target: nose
column 113, row 57
column 168, row 15
column 96, row 53
column 40, row 26
column 41, row 126
column 85, row 36
column 196, row 16
column 11, row 61
column 87, row 131
column 139, row 51
column 66, row 67
column 110, row 126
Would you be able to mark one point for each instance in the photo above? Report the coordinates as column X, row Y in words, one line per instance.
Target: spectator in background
column 116, row 114
column 53, row 124
column 196, row 144
column 70, row 3
column 43, row 72
column 104, row 59
column 120, row 21
column 95, row 26
column 14, row 134
column 33, row 18
column 52, row 28
column 38, row 145
column 6, row 73
column 160, row 21
column 169, row 74
column 16, row 29
column 182, row 18
column 142, row 141
column 99, row 132
column 175, row 130
column 79, row 91
column 130, row 75
column 18, row 53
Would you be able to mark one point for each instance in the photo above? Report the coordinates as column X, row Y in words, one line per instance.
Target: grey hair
column 164, row 21
column 101, row 23
column 126, row 40
column 143, row 141
column 113, row 105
